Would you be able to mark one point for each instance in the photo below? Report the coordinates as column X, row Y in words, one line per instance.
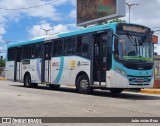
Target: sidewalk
column 150, row 91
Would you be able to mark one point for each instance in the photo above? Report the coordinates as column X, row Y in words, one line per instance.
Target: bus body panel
column 47, row 70
column 34, row 69
column 10, row 70
column 19, row 72
column 68, row 65
column 119, row 81
column 114, row 77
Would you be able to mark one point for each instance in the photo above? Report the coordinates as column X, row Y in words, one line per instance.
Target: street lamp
column 129, row 6
column 7, row 42
column 46, row 30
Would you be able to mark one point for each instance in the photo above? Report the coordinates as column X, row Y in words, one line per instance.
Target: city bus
column 114, row 57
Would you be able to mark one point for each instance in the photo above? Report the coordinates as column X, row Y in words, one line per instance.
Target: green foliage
column 116, row 20
column 2, row 63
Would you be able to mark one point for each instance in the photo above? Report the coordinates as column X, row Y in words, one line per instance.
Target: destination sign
column 133, row 28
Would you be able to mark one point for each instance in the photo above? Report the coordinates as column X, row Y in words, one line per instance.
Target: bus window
column 36, row 53
column 57, row 47
column 85, row 44
column 27, row 52
column 79, row 44
column 48, row 51
column 69, row 45
column 19, row 54
column 11, row 53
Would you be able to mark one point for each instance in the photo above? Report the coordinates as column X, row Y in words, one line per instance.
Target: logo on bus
column 55, row 64
column 73, row 64
column 79, row 64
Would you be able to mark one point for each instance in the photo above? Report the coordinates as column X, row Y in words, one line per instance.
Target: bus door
column 47, row 62
column 18, row 64
column 100, row 58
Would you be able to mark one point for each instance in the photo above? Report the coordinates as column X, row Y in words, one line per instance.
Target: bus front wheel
column 82, row 84
column 116, row 90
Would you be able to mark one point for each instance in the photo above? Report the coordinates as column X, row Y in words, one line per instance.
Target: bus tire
column 83, row 85
column 27, row 82
column 52, row 86
column 116, row 90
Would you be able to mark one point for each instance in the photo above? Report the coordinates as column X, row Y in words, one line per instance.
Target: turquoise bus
column 114, row 57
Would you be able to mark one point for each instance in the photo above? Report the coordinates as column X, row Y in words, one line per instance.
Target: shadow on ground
column 101, row 93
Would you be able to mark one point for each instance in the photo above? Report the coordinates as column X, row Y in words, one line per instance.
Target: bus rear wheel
column 116, row 90
column 82, row 84
column 27, row 82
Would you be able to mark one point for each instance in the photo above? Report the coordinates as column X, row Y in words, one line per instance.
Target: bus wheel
column 116, row 90
column 83, row 85
column 52, row 86
column 27, row 80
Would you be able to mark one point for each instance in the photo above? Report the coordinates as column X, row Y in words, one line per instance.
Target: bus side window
column 57, row 47
column 37, row 51
column 79, row 44
column 85, row 44
column 54, row 48
column 60, row 47
column 27, row 52
column 69, row 45
column 11, row 56
column 19, row 54
column 48, row 50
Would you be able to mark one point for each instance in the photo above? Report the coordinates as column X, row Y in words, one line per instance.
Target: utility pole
column 129, row 6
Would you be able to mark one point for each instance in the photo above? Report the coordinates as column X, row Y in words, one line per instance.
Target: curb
column 150, row 91
column 3, row 78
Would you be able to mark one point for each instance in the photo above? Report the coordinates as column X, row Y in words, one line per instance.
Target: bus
column 114, row 57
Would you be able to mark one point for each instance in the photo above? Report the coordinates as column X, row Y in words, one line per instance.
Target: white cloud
column 36, row 30
column 72, row 14
column 2, row 30
column 60, row 28
column 146, row 13
column 73, row 2
column 49, row 11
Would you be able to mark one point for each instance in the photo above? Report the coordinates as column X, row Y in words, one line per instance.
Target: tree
column 2, row 63
column 116, row 20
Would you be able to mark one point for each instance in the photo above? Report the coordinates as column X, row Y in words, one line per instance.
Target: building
column 157, row 71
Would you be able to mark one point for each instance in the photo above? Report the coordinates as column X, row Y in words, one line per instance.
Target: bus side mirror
column 155, row 39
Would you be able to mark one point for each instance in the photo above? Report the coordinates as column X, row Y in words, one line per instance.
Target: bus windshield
column 134, row 48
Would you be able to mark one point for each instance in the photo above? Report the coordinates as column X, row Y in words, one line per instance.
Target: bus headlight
column 120, row 71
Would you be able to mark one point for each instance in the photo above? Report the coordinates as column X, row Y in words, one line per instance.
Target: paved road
column 18, row 101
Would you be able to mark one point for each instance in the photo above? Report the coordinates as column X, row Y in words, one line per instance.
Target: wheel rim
column 84, row 84
column 27, row 81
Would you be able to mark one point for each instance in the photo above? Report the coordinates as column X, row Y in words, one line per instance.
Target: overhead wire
column 25, row 8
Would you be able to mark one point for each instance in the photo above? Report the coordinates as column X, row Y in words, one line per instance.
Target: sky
column 25, row 24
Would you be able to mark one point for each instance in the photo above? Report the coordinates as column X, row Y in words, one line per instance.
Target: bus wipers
column 132, row 40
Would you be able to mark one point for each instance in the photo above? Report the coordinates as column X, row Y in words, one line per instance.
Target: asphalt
column 145, row 91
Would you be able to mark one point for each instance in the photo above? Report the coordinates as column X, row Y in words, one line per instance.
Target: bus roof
column 61, row 35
